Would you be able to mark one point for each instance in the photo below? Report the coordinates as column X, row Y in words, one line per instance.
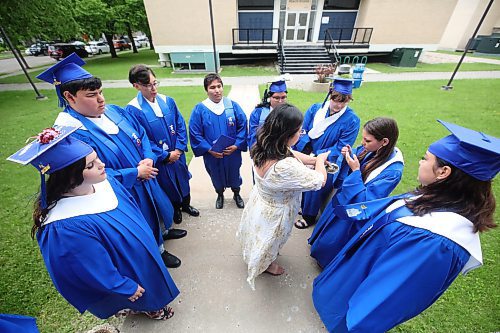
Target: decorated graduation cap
column 52, row 150
column 69, row 69
column 473, row 152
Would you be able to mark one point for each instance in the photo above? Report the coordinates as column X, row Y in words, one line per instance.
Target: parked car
column 97, row 47
column 62, row 50
column 141, row 41
column 121, row 44
column 41, row 47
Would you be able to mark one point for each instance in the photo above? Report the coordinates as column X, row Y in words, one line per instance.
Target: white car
column 142, row 41
column 97, row 47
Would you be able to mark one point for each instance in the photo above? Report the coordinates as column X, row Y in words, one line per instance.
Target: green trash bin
column 405, row 57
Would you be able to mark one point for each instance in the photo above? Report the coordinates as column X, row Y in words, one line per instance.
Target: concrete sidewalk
column 215, row 296
column 299, row 81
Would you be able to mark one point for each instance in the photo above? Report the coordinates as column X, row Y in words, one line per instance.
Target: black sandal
column 162, row 314
column 301, row 224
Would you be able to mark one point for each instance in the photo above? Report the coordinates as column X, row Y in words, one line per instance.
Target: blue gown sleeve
column 347, row 137
column 181, row 142
column 354, row 189
column 84, row 262
column 406, row 279
column 199, row 145
column 241, row 127
column 307, row 126
column 253, row 125
column 126, row 176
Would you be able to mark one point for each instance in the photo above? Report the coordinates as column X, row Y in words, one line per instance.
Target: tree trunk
column 129, row 32
column 151, row 46
column 109, row 39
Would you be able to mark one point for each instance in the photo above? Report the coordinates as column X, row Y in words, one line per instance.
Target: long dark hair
column 460, row 193
column 272, row 138
column 59, row 183
column 380, row 128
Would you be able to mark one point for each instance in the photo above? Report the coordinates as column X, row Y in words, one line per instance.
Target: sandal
column 162, row 314
column 301, row 224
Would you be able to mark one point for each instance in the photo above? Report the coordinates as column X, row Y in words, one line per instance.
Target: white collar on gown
column 321, row 122
column 102, row 200
column 217, row 108
column 397, row 157
column 103, row 122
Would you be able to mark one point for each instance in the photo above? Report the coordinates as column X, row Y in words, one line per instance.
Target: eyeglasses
column 278, row 98
column 150, row 86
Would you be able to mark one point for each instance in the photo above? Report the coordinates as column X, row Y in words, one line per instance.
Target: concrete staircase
column 303, row 59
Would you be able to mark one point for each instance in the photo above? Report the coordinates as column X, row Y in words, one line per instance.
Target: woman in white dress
column 281, row 175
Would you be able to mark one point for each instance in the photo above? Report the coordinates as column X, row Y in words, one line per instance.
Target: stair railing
column 330, row 47
column 281, row 53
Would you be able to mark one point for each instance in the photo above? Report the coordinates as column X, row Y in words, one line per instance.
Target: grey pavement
column 215, row 296
column 429, row 57
column 299, row 81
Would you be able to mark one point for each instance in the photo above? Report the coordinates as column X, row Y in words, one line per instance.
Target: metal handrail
column 345, row 35
column 262, row 40
column 281, row 52
column 330, row 46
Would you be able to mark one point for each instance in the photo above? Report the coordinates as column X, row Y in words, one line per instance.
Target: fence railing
column 255, row 36
column 330, row 47
column 350, row 35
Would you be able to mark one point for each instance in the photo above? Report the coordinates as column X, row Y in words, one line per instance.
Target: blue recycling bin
column 357, row 75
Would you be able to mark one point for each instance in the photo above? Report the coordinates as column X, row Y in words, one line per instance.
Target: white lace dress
column 269, row 214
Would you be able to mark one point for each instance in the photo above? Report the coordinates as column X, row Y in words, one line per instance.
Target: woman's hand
column 353, row 161
column 323, row 156
column 138, row 293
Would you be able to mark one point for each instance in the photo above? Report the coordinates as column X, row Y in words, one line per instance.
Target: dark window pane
column 341, row 4
column 255, row 4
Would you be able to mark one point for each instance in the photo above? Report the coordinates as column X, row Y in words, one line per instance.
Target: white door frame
column 296, row 27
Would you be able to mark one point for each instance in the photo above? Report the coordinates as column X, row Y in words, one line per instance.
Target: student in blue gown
column 166, row 129
column 98, row 249
column 273, row 97
column 373, row 170
column 122, row 144
column 327, row 127
column 216, row 116
column 412, row 247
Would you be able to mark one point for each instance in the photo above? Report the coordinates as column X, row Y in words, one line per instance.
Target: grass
column 444, row 67
column 108, row 68
column 470, row 305
column 471, row 55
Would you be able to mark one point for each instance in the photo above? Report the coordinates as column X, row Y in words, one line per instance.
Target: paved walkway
column 429, row 57
column 215, row 296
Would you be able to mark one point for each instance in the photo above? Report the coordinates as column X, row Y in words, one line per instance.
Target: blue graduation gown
column 257, row 118
column 97, row 260
column 205, row 127
column 10, row 323
column 166, row 134
column 385, row 276
column 339, row 134
column 331, row 233
column 121, row 153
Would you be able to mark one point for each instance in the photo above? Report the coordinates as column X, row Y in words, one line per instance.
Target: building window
column 255, row 4
column 341, row 4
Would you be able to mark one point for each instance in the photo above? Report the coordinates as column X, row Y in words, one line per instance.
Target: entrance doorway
column 296, row 26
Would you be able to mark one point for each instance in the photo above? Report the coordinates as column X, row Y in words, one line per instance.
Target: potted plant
column 323, row 71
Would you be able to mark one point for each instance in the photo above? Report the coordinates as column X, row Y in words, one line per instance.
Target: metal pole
column 213, row 36
column 449, row 86
column 38, row 95
column 22, row 58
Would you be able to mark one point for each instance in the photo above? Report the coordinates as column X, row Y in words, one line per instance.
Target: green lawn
column 470, row 305
column 445, row 67
column 107, row 68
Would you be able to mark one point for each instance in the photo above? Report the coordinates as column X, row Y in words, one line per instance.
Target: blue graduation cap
column 53, row 150
column 343, row 85
column 69, row 69
column 473, row 152
column 277, row 86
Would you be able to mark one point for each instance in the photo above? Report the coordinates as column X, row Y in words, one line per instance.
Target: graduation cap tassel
column 326, row 98
column 264, row 99
column 62, row 101
column 43, row 191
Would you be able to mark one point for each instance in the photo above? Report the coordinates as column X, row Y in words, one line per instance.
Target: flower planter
column 320, row 86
